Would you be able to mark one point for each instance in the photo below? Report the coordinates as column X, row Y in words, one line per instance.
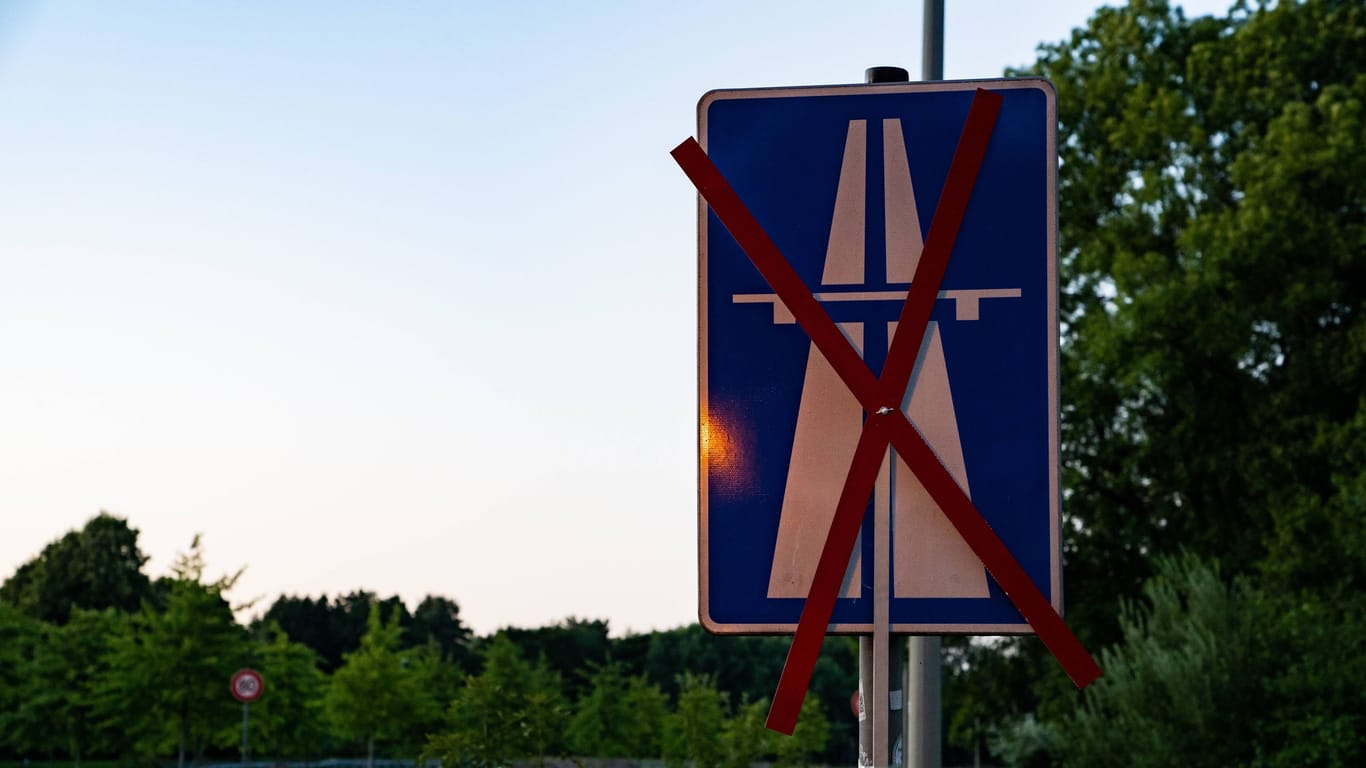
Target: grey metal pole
column 923, row 715
column 895, row 727
column 932, row 55
column 923, row 705
column 245, row 708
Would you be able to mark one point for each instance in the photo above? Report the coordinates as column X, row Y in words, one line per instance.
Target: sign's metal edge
column 703, row 423
column 789, row 91
column 1054, row 371
column 1055, row 492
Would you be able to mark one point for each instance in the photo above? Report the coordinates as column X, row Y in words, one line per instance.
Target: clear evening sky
column 389, row 296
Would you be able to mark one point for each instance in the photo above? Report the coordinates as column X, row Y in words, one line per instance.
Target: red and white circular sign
column 247, row 685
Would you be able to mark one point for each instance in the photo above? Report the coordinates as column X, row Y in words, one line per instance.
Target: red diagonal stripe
column 939, row 242
column 989, row 548
column 825, row 584
column 757, row 245
column 851, row 368
column 896, row 376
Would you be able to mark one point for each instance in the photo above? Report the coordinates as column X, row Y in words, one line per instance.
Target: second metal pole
column 932, row 54
column 923, row 715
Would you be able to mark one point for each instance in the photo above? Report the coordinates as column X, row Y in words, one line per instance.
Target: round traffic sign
column 247, row 685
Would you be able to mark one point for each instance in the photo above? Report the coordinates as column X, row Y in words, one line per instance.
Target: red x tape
column 886, row 424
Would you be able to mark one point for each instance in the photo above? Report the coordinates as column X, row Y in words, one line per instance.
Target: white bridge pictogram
column 931, row 559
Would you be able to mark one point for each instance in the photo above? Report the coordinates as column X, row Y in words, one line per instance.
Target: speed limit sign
column 247, row 685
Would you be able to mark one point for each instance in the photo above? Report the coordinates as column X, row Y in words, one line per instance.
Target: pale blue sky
column 393, row 296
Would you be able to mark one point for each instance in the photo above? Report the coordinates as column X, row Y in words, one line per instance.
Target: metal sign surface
column 845, row 180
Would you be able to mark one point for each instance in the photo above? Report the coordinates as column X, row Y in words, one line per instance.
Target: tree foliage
column 1214, row 672
column 19, row 638
column 745, row 739
column 97, row 567
column 1183, row 687
column 567, row 647
column 437, row 620
column 381, row 693
column 56, row 710
column 168, row 670
column 332, row 627
column 617, row 717
column 808, row 739
column 747, row 668
column 287, row 721
column 694, row 727
column 1212, row 233
column 513, row 709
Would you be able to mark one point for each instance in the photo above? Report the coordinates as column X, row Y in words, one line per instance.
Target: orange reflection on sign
column 724, row 458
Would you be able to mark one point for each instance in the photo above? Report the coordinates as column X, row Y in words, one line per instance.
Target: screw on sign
column 247, row 685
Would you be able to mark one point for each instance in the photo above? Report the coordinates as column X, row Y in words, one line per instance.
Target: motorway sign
column 847, row 181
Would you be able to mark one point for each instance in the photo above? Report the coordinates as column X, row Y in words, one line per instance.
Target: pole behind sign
column 246, row 686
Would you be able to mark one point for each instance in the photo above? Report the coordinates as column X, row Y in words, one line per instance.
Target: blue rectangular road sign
column 845, row 180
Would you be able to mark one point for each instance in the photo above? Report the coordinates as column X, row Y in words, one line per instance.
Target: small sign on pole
column 246, row 686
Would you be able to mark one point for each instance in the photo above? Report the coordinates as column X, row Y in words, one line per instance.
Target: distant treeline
column 98, row 660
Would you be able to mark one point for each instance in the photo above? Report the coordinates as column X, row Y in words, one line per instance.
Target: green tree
column 512, row 709
column 287, row 721
column 986, row 688
column 332, row 627
column 313, row 623
column 1213, row 672
column 747, row 668
column 745, row 738
column 697, row 720
column 618, row 717
column 601, row 722
column 55, row 714
column 19, row 637
column 649, row 709
column 808, row 739
column 381, row 693
column 568, row 647
column 1211, row 229
column 166, row 688
column 1185, row 686
column 97, row 567
column 437, row 620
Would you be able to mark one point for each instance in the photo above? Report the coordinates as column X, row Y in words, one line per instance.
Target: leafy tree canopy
column 168, row 669
column 1212, row 228
column 1213, row 235
column 568, row 647
column 333, row 627
column 287, row 721
column 382, row 693
column 513, row 709
column 97, row 567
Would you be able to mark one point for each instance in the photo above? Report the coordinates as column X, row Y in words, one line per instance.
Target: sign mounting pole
column 881, row 657
column 246, row 686
column 923, row 715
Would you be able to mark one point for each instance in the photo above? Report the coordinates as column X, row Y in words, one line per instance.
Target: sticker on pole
column 247, row 685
